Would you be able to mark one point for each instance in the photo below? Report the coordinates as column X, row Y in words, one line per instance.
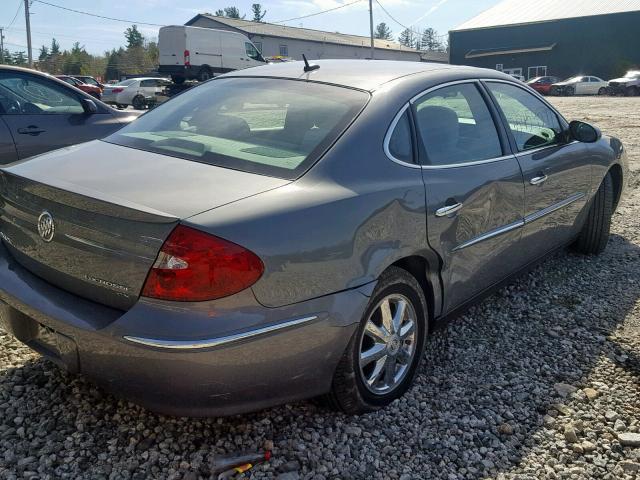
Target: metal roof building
column 552, row 37
column 281, row 40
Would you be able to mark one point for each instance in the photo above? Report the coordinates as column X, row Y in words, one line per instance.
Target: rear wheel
column 205, row 74
column 602, row 91
column 120, row 106
column 138, row 102
column 177, row 79
column 594, row 235
column 382, row 357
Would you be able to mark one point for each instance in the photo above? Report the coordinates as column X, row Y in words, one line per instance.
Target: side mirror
column 583, row 132
column 89, row 106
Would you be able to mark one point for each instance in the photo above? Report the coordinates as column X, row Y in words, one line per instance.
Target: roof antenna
column 307, row 66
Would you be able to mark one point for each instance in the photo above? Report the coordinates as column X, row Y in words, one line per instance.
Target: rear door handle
column 31, row 130
column 538, row 180
column 448, row 210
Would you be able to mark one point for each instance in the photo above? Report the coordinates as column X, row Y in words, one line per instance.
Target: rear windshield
column 126, row 83
column 267, row 126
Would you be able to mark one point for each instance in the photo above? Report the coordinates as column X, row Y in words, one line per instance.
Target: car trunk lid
column 112, row 207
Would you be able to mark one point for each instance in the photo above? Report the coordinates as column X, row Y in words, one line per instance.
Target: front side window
column 148, row 83
column 532, row 123
column 258, row 46
column 455, row 126
column 259, row 125
column 23, row 94
column 252, row 52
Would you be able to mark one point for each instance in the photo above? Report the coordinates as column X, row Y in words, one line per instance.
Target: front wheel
column 383, row 355
column 138, row 102
column 594, row 235
column 602, row 91
column 570, row 92
column 205, row 74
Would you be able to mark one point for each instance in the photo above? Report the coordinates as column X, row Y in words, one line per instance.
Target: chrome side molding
column 552, row 208
column 219, row 341
column 490, row 234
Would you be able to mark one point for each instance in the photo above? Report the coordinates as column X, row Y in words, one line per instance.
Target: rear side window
column 532, row 123
column 400, row 143
column 258, row 125
column 456, row 126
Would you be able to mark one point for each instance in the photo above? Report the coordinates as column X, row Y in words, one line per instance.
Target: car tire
column 120, row 106
column 602, row 91
column 594, row 235
column 569, row 91
column 138, row 102
column 177, row 79
column 205, row 74
column 402, row 351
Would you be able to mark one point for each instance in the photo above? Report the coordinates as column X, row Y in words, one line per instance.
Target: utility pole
column 1, row 47
column 26, row 16
column 370, row 27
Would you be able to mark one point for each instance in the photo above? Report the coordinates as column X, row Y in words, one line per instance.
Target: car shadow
column 498, row 364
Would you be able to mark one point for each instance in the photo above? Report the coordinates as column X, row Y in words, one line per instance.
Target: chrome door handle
column 538, row 180
column 448, row 210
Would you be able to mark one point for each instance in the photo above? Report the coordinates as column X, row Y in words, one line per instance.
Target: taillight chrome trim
column 218, row 341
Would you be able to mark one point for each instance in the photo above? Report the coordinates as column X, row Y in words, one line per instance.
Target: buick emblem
column 46, row 226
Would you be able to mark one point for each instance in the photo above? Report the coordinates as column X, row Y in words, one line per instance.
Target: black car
column 39, row 113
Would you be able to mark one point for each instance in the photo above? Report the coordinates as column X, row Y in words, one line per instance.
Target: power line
column 317, row 13
column 416, row 32
column 98, row 16
column 16, row 15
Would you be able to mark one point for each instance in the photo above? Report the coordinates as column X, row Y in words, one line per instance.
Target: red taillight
column 187, row 57
column 116, row 90
column 193, row 266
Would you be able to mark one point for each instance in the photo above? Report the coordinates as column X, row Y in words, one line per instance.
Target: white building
column 280, row 40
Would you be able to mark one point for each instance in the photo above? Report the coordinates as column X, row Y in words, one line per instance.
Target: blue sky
column 99, row 35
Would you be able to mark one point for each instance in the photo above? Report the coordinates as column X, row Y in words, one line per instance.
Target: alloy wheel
column 388, row 344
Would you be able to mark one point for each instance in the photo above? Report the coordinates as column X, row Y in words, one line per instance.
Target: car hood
column 148, row 182
column 623, row 80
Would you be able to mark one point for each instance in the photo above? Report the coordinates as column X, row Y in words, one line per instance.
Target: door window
column 148, row 83
column 400, row 144
column 258, row 46
column 24, row 94
column 455, row 126
column 532, row 123
column 251, row 51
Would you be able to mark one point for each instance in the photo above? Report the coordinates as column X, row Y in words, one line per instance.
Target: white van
column 201, row 53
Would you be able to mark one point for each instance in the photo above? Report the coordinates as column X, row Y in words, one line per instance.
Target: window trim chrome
column 218, row 341
column 412, row 100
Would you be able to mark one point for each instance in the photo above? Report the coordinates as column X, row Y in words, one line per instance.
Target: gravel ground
column 538, row 381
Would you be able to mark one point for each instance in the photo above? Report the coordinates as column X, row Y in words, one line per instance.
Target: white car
column 134, row 91
column 580, row 85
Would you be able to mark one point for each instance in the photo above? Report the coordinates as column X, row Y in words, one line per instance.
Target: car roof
column 367, row 75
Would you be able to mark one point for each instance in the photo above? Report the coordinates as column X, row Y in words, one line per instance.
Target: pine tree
column 55, row 47
column 430, row 40
column 134, row 37
column 44, row 53
column 232, row 12
column 219, row 13
column 258, row 13
column 383, row 32
column 407, row 38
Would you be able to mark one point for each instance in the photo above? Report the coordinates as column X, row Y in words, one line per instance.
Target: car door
column 473, row 186
column 557, row 177
column 8, row 152
column 44, row 115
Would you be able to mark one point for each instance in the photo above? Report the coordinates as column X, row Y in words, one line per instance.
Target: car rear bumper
column 210, row 358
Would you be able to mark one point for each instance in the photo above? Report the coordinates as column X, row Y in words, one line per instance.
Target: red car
column 90, row 89
column 542, row 84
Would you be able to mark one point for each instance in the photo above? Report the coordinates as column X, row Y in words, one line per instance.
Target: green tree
column 258, row 13
column 219, row 13
column 44, row 53
column 6, row 57
column 430, row 40
column 407, row 38
column 19, row 58
column 134, row 37
column 232, row 12
column 55, row 47
column 383, row 32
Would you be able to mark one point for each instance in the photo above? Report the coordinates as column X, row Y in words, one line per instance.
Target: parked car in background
column 260, row 239
column 39, row 113
column 580, row 85
column 629, row 85
column 134, row 91
column 89, row 81
column 187, row 53
column 92, row 90
column 542, row 84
